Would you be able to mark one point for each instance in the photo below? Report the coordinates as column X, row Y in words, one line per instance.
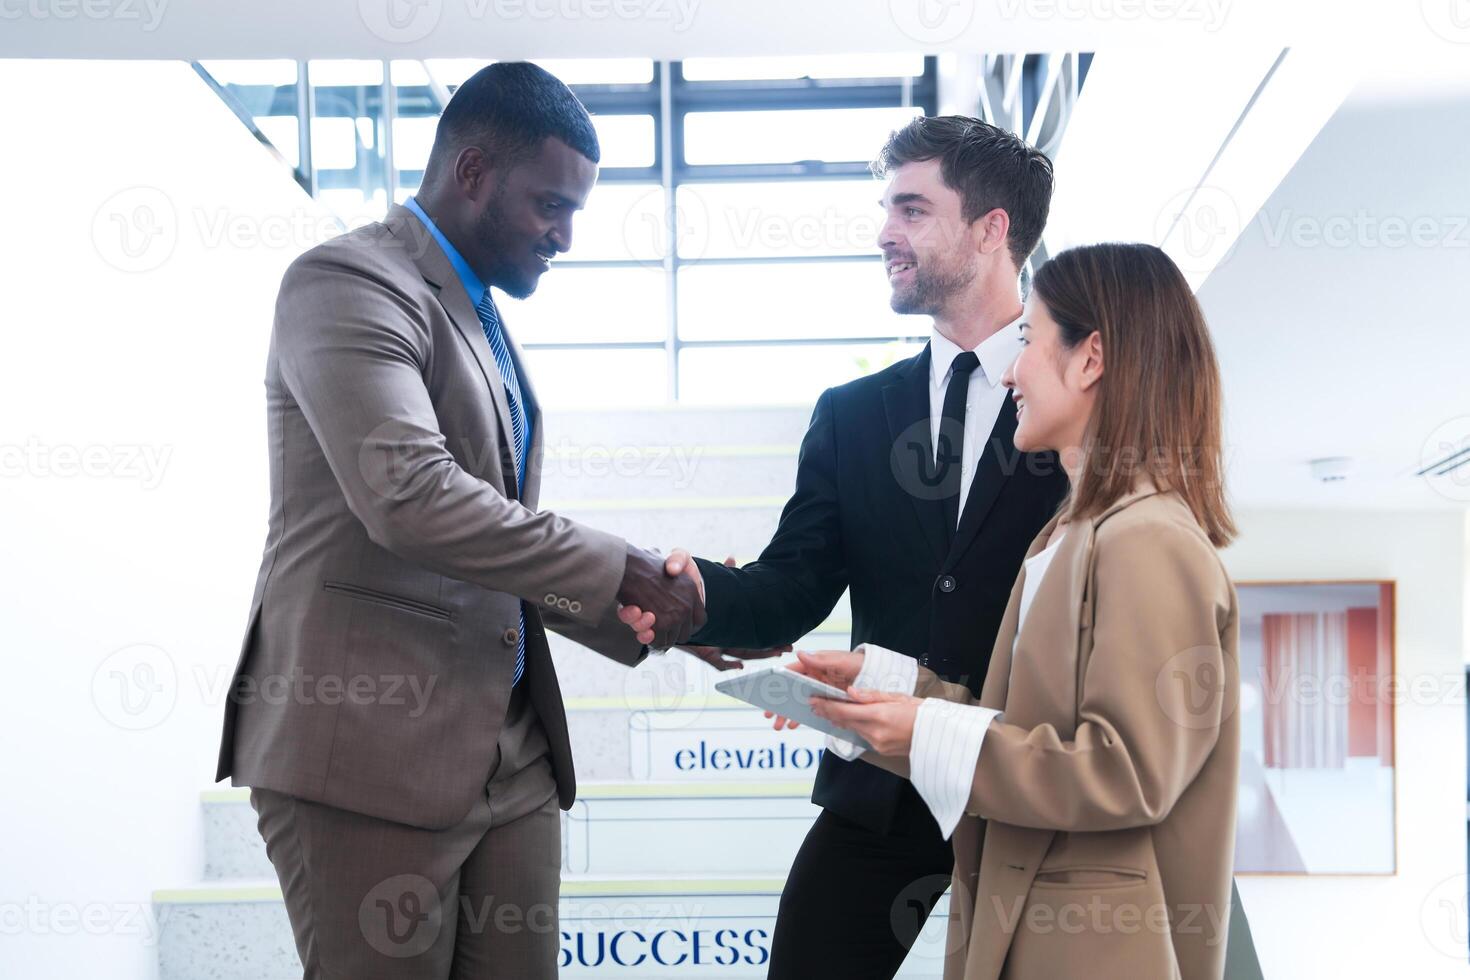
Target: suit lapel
column 998, row 460
column 911, row 456
column 434, row 266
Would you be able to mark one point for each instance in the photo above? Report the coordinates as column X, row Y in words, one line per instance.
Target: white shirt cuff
column 943, row 755
column 883, row 670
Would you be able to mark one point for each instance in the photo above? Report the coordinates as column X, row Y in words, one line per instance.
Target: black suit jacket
column 867, row 516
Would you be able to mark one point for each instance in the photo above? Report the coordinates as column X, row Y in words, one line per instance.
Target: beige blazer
column 1104, row 796
column 376, row 667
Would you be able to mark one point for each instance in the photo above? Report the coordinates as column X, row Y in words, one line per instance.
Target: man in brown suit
column 394, row 708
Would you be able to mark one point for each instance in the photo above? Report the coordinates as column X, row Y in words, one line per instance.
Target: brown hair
column 987, row 166
column 1158, row 408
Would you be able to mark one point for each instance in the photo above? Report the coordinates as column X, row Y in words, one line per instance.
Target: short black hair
column 508, row 109
column 990, row 167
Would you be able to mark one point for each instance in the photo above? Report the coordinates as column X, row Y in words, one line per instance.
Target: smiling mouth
column 899, row 268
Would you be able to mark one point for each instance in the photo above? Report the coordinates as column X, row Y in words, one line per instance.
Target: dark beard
column 504, row 274
column 930, row 291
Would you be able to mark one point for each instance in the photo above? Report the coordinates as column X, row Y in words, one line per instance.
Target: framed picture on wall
column 1317, row 728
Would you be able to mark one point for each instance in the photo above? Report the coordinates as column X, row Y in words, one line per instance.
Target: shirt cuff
column 883, row 670
column 943, row 755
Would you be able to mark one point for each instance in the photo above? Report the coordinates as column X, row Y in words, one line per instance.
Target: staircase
column 690, row 807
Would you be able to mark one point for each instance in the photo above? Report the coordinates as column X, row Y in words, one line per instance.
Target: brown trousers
column 370, row 899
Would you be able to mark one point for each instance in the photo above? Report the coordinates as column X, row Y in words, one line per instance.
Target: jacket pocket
column 388, row 599
column 1088, row 876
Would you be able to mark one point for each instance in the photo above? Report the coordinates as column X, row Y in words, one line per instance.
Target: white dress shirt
column 984, row 399
column 947, row 735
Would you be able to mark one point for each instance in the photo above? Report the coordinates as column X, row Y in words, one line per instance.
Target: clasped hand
column 646, row 622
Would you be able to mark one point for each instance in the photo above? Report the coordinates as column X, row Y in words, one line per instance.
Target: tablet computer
column 786, row 692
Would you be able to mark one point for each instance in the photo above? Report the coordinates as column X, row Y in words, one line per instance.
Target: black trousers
column 855, row 900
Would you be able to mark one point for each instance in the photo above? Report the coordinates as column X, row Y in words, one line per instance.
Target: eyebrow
column 907, row 197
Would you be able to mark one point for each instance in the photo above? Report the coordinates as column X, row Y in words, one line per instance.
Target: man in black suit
column 910, row 493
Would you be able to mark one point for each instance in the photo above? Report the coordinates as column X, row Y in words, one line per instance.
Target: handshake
column 661, row 605
column 662, row 601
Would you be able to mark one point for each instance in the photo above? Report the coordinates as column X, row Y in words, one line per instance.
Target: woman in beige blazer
column 1098, row 767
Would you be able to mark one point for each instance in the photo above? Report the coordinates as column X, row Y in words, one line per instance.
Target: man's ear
column 472, row 171
column 992, row 229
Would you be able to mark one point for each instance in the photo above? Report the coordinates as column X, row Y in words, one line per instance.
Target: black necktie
column 949, row 458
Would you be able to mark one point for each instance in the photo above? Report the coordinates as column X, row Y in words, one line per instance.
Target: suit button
column 575, row 607
column 511, row 637
column 946, row 583
column 551, row 598
column 563, row 603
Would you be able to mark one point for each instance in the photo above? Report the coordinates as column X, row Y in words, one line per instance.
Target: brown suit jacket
column 376, row 667
column 1105, row 796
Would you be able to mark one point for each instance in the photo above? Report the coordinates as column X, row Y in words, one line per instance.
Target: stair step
column 676, row 926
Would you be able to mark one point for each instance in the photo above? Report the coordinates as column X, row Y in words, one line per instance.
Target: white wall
column 1407, row 924
column 107, row 355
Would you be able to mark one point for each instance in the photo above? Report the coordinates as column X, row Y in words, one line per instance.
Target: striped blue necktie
column 490, row 321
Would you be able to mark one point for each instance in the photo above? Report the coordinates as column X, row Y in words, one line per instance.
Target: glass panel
column 788, row 375
column 580, row 379
column 413, row 138
column 266, row 71
column 627, row 141
column 334, row 142
column 284, row 134
column 791, row 300
column 600, row 71
column 789, row 217
column 591, row 305
column 804, row 66
column 450, row 72
column 790, row 136
column 621, row 221
column 344, row 72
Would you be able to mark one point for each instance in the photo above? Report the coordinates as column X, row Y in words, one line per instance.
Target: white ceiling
column 1341, row 313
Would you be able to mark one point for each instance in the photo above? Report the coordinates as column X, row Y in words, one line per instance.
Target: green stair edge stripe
column 626, row 790
column 613, row 888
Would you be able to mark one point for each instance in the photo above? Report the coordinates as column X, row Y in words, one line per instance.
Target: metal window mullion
column 389, row 112
column 671, row 227
column 305, row 111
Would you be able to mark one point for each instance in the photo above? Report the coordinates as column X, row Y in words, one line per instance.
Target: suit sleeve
column 1143, row 731
column 352, row 349
column 610, row 637
column 792, row 587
